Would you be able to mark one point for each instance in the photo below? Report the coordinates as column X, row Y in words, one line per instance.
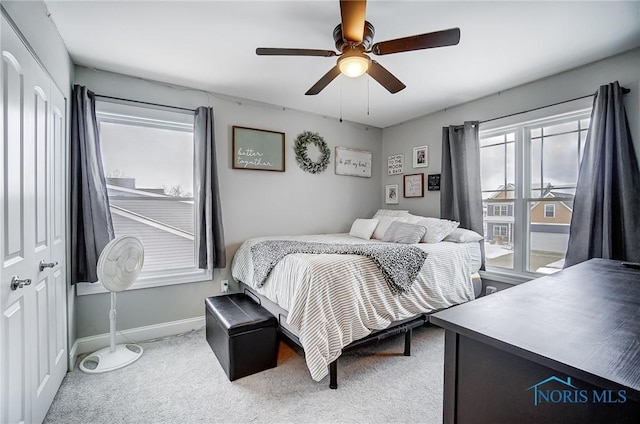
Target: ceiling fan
column 353, row 38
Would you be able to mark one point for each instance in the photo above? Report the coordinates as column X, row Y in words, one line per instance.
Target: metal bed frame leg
column 333, row 374
column 407, row 342
column 333, row 366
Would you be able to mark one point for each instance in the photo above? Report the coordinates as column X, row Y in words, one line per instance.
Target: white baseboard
column 73, row 354
column 132, row 335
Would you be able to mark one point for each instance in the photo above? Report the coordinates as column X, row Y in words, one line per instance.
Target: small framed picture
column 391, row 194
column 414, row 185
column 421, row 156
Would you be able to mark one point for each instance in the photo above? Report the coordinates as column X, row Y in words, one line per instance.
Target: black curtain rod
column 624, row 91
column 144, row 103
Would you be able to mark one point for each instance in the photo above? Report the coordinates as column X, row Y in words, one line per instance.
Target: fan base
column 104, row 360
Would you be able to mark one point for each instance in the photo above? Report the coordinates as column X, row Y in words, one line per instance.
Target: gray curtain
column 211, row 250
column 460, row 189
column 606, row 211
column 91, row 225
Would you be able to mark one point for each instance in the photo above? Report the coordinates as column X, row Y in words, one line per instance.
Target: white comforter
column 335, row 299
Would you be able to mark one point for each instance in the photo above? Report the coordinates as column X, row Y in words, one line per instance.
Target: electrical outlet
column 490, row 290
column 224, row 286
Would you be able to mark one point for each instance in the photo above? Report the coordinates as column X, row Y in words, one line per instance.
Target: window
column 500, row 230
column 529, row 173
column 147, row 157
column 549, row 210
column 501, row 210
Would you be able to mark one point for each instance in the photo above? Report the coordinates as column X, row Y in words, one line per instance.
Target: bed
column 326, row 302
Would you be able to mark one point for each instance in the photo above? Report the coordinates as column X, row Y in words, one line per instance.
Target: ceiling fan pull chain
column 341, row 99
column 368, row 97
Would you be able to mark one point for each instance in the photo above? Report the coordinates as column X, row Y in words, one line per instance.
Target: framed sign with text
column 433, row 182
column 260, row 150
column 414, row 185
column 353, row 162
column 395, row 164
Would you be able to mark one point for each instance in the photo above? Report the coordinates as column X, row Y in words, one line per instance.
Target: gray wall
column 254, row 203
column 400, row 139
column 261, row 203
column 326, row 202
column 43, row 37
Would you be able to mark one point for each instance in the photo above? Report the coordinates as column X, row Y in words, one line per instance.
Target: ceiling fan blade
column 352, row 14
column 448, row 37
column 324, row 81
column 385, row 78
column 268, row 51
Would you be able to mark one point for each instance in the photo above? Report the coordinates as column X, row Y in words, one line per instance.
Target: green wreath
column 300, row 148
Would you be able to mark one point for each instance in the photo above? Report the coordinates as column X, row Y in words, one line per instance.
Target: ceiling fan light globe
column 354, row 66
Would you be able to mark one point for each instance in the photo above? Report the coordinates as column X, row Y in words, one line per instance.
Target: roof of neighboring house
column 171, row 211
column 547, row 193
column 551, row 194
column 164, row 224
column 502, row 189
column 162, row 249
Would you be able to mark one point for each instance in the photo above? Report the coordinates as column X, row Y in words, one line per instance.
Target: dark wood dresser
column 564, row 348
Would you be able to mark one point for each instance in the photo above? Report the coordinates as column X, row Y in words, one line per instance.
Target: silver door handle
column 17, row 283
column 44, row 265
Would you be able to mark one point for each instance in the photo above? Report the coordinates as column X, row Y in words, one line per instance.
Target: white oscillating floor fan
column 119, row 265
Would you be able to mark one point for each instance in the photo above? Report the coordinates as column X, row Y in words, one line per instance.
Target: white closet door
column 33, row 301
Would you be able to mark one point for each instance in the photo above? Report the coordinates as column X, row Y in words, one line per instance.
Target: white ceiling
column 210, row 45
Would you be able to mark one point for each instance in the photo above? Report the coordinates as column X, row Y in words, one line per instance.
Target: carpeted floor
column 179, row 380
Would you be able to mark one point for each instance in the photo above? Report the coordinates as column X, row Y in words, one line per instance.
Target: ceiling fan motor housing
column 367, row 37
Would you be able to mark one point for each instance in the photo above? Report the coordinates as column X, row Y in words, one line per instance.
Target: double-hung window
column 148, row 161
column 549, row 210
column 529, row 173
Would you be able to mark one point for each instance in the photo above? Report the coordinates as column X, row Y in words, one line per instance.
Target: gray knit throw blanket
column 398, row 263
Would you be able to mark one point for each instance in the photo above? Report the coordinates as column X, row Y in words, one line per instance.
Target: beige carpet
column 179, row 380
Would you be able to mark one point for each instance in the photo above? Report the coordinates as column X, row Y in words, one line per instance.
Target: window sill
column 149, row 281
column 513, row 278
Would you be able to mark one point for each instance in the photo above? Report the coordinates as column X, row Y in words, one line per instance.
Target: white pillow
column 403, row 232
column 383, row 224
column 363, row 228
column 390, row 212
column 437, row 229
column 411, row 219
column 462, row 235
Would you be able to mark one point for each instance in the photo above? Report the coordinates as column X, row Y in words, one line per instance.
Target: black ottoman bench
column 242, row 334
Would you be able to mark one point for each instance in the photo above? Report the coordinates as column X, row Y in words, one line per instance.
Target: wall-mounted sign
column 433, row 182
column 353, row 162
column 395, row 164
column 258, row 149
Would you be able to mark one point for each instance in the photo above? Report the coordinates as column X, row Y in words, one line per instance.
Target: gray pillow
column 402, row 232
column 436, row 229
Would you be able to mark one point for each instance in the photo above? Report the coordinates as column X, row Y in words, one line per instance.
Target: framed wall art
column 391, row 194
column 395, row 164
column 414, row 185
column 421, row 156
column 433, row 182
column 260, row 150
column 353, row 162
